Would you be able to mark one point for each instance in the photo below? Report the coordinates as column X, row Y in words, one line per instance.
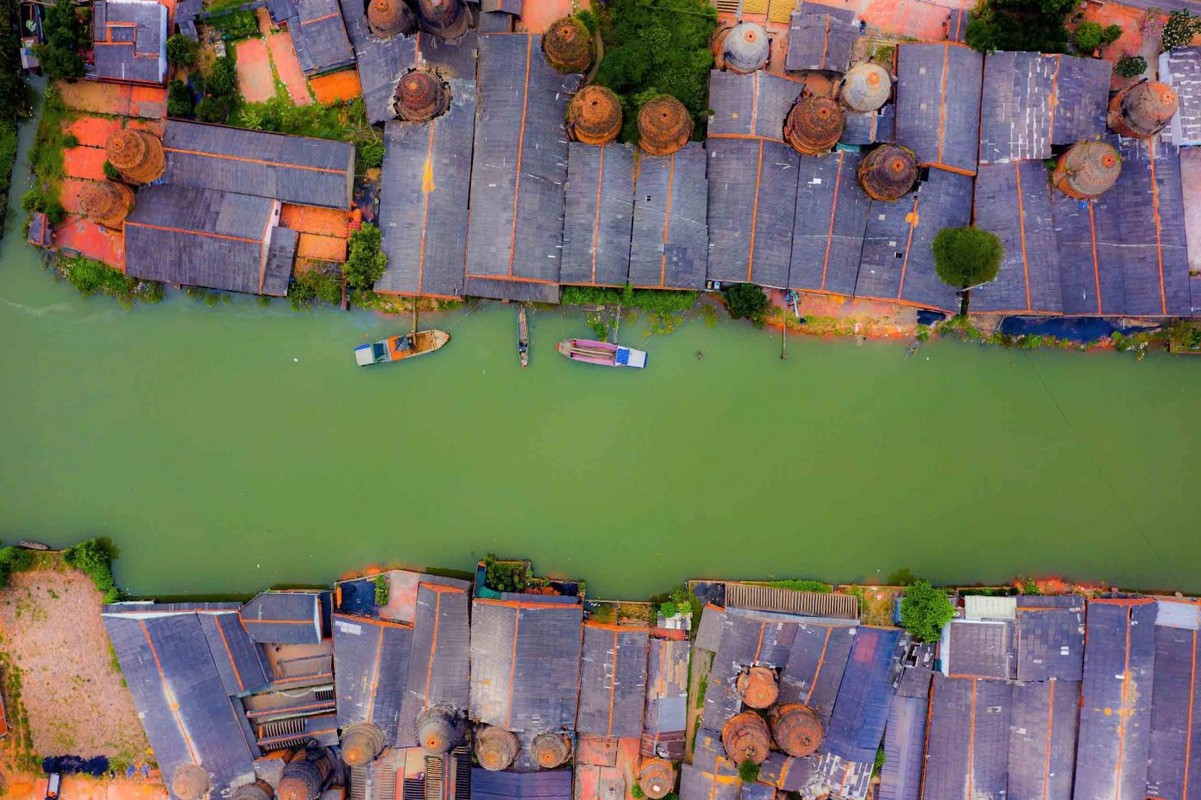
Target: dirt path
column 73, row 695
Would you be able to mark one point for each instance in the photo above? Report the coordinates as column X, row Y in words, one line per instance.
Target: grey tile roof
column 287, row 617
column 515, row 229
column 382, row 62
column 698, row 784
column 747, row 638
column 872, row 127
column 904, row 749
column 1014, row 201
column 671, row 241
column 830, row 222
column 129, row 41
column 841, row 13
column 504, row 289
column 980, row 649
column 1181, row 69
column 319, row 33
column 546, row 784
column 180, row 698
column 1175, row 759
column 511, row 7
column 292, row 169
column 750, row 105
column 666, row 696
column 239, row 661
column 967, row 750
column 200, row 238
column 281, row 253
column 1081, row 98
column 938, row 103
column 816, row 663
column 1115, row 707
column 1042, row 738
column 613, row 675
column 599, row 215
column 370, row 658
column 1050, row 643
column 423, row 199
column 861, row 708
column 525, row 664
column 439, row 666
column 820, row 41
column 752, row 202
column 957, row 24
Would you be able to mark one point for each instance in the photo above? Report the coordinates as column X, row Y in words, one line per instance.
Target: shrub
column 236, row 24
column 382, row 590
column 966, row 257
column 636, row 792
column 588, row 19
column 326, row 284
column 222, row 79
column 747, row 300
column 505, row 576
column 668, row 609
column 94, row 558
column 1179, row 30
column 366, row 263
column 370, row 155
column 925, row 610
column 70, row 140
column 301, row 296
column 181, row 51
column 1111, row 34
column 213, row 109
column 15, row 559
column 179, row 100
column 1087, row 37
column 65, row 35
column 111, row 172
column 803, row 586
column 748, row 771
column 1131, row 66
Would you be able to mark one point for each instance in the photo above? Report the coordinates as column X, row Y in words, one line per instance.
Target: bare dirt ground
column 73, row 696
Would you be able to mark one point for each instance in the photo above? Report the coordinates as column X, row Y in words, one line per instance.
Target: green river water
column 229, row 448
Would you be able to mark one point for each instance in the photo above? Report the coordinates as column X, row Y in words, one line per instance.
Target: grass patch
column 46, row 158
column 802, row 586
column 95, row 277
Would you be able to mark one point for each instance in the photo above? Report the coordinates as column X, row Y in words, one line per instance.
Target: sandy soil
column 72, row 691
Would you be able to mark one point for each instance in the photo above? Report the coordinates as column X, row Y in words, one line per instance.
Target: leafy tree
column 1035, row 25
column 1088, row 37
column 366, row 263
column 965, row 257
column 222, row 80
column 1179, row 30
column 747, row 300
column 14, row 94
column 1111, row 34
column 65, row 36
column 657, row 47
column 213, row 109
column 1131, row 66
column 181, row 51
column 925, row 610
column 15, row 559
column 179, row 100
column 370, row 155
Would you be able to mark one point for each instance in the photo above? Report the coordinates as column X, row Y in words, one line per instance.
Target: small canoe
column 28, row 545
column 523, row 337
column 398, row 348
column 602, row 353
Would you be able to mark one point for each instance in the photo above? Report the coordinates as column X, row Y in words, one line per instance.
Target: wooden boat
column 30, row 545
column 523, row 337
column 398, row 348
column 602, row 353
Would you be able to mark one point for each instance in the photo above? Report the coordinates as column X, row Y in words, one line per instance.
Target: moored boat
column 398, row 348
column 602, row 353
column 523, row 337
column 30, row 545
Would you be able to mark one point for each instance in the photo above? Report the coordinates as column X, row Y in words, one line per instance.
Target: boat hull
column 602, row 354
column 400, row 348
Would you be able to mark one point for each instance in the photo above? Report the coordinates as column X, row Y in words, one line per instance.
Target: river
column 229, row 448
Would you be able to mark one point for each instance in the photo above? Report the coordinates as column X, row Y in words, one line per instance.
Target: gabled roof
column 967, row 751
column 525, row 664
column 180, row 698
column 980, row 649
column 872, row 127
column 670, row 241
column 755, row 104
column 1014, row 201
column 752, row 202
column 1050, row 641
column 1115, row 707
column 1181, row 69
column 938, row 103
column 599, row 215
column 381, row 64
column 322, row 44
column 371, row 657
column 816, row 663
column 864, row 697
column 820, row 41
column 239, row 661
column 666, row 696
column 204, row 238
column 423, row 199
column 1042, row 740
column 292, row 169
column 612, row 680
column 129, row 41
column 515, row 230
column 747, row 638
column 287, row 617
column 831, row 218
column 904, row 749
column 439, row 667
column 1174, row 765
column 545, row 784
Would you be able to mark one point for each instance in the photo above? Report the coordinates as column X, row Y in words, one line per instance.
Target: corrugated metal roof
column 820, row 41
column 520, row 164
column 904, row 749
column 1115, row 709
column 861, row 708
column 831, row 219
column 1174, row 763
column 322, row 44
column 371, row 657
column 599, row 215
column 670, row 241
column 1042, row 741
column 978, row 606
column 293, row 169
column 129, row 41
column 792, row 601
column 938, row 103
column 289, row 617
column 423, row 199
column 439, row 667
column 613, row 681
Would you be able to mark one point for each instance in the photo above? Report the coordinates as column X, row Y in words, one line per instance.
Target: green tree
column 181, row 51
column 213, row 109
column 966, row 257
column 65, row 36
column 370, row 155
column 1179, row 30
column 1131, row 66
column 1035, row 25
column 366, row 263
column 1088, row 37
column 14, row 94
column 1111, row 34
column 925, row 610
column 747, row 300
column 222, row 80
column 179, row 100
